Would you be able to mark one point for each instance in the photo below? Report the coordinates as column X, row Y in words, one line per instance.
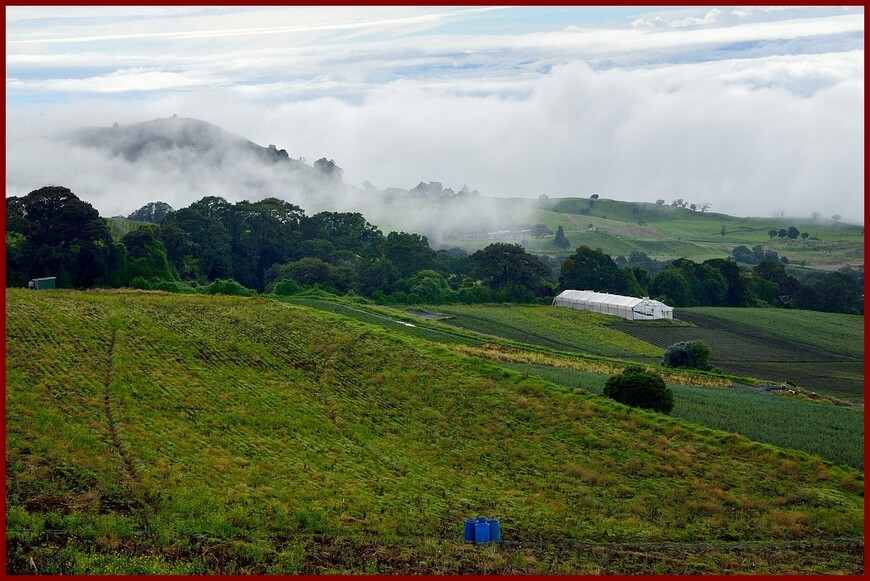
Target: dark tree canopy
column 637, row 387
column 50, row 232
column 560, row 240
column 589, row 269
column 409, row 253
column 146, row 256
column 692, row 354
column 63, row 236
column 683, row 283
column 502, row 264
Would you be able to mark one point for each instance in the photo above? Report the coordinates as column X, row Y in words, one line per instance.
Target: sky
column 754, row 110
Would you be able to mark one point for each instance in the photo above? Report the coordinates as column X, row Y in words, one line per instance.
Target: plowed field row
column 745, row 352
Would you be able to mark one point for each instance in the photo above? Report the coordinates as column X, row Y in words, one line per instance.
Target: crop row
column 563, row 329
column 368, row 430
column 831, row 432
column 834, row 332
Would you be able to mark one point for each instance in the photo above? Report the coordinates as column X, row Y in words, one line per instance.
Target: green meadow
column 151, row 433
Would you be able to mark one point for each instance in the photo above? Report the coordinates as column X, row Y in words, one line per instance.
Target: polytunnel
column 631, row 308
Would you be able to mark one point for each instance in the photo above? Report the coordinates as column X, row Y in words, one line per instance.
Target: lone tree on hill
column 637, row 387
column 694, row 354
column 560, row 239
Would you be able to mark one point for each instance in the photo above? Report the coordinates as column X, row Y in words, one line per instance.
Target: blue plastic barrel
column 494, row 530
column 469, row 529
column 481, row 532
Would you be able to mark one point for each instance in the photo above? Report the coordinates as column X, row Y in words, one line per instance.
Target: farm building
column 43, row 283
column 631, row 308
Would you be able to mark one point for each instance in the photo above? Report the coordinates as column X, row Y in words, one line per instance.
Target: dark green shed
column 43, row 283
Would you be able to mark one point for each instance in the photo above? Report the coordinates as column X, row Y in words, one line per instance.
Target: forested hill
column 138, row 141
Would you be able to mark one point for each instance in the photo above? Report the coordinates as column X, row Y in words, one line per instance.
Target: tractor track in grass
column 126, row 463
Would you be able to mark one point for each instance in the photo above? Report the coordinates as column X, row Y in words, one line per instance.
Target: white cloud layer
column 753, row 110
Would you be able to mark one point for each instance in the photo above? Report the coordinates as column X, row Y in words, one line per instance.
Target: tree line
column 273, row 246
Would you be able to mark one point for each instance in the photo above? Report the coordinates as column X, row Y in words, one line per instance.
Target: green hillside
column 157, row 433
column 665, row 232
column 119, row 227
column 835, row 332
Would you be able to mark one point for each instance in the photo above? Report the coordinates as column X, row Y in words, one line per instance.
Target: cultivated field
column 562, row 329
column 157, row 433
column 833, row 432
column 835, row 332
column 741, row 349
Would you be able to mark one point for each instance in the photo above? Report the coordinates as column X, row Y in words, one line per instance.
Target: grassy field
column 119, row 227
column 768, row 346
column 835, row 332
column 563, row 329
column 833, row 432
column 822, row 352
column 156, row 433
column 665, row 232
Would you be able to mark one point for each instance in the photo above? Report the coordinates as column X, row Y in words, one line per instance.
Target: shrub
column 287, row 287
column 694, row 354
column 227, row 287
column 637, row 387
column 173, row 286
column 141, row 283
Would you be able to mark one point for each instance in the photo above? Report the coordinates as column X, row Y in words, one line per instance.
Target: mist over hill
column 179, row 160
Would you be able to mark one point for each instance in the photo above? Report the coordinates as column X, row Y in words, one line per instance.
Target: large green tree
column 589, row 269
column 502, row 264
column 409, row 253
column 210, row 241
column 58, row 235
column 737, row 290
column 146, row 256
column 346, row 231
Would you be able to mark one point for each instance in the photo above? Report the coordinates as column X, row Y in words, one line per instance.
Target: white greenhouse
column 631, row 308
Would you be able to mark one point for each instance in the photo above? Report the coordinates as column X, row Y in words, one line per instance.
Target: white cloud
column 752, row 110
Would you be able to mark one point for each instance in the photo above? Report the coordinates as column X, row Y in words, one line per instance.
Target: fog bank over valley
column 755, row 111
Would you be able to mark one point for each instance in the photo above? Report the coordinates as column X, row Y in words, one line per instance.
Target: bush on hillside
column 227, row 287
column 287, row 287
column 637, row 387
column 141, row 283
column 692, row 354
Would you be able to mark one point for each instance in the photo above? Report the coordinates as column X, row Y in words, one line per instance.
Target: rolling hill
column 664, row 233
column 186, row 159
column 157, row 433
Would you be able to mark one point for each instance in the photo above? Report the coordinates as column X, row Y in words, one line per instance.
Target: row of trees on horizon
column 272, row 246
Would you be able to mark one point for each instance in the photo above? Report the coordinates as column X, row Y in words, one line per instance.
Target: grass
column 766, row 346
column 834, row 332
column 119, row 227
column 665, row 233
column 159, row 433
column 563, row 329
column 840, row 429
column 832, row 432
